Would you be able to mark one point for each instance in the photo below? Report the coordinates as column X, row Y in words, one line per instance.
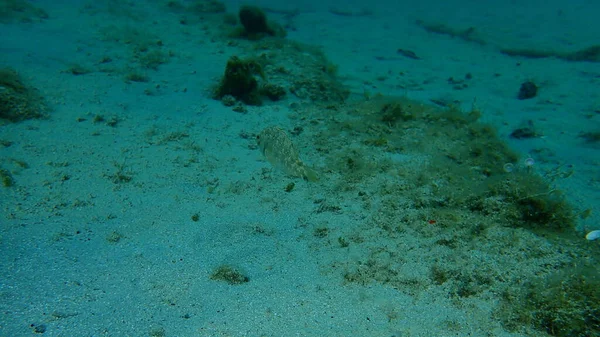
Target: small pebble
column 528, row 90
column 38, row 328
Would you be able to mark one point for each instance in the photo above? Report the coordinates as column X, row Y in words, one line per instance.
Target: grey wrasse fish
column 277, row 147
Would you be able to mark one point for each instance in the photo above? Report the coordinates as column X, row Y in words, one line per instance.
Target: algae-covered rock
column 229, row 274
column 17, row 100
column 20, row 11
column 254, row 20
column 241, row 81
column 255, row 24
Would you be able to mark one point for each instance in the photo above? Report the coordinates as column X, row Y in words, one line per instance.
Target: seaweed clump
column 563, row 304
column 18, row 102
column 245, row 80
column 240, row 81
column 392, row 113
column 588, row 54
column 590, row 137
column 20, row 11
column 229, row 274
column 6, row 178
column 255, row 24
column 533, row 204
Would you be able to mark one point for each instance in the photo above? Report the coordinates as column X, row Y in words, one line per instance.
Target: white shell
column 593, row 235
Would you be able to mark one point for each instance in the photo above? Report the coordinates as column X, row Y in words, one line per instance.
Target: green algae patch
column 6, row 178
column 447, row 207
column 241, row 80
column 20, row 11
column 462, row 163
column 18, row 100
column 562, row 304
column 229, row 274
column 275, row 68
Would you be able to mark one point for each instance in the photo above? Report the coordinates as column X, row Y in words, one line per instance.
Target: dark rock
column 525, row 132
column 254, row 21
column 528, row 90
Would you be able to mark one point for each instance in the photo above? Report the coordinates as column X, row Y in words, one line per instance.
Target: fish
column 408, row 53
column 279, row 150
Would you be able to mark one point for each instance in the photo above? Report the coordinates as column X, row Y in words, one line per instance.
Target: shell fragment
column 593, row 235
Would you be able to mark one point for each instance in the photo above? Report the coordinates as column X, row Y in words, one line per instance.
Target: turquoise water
column 130, row 178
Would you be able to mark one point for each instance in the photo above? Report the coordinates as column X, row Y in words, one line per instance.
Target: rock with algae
column 279, row 150
column 18, row 101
